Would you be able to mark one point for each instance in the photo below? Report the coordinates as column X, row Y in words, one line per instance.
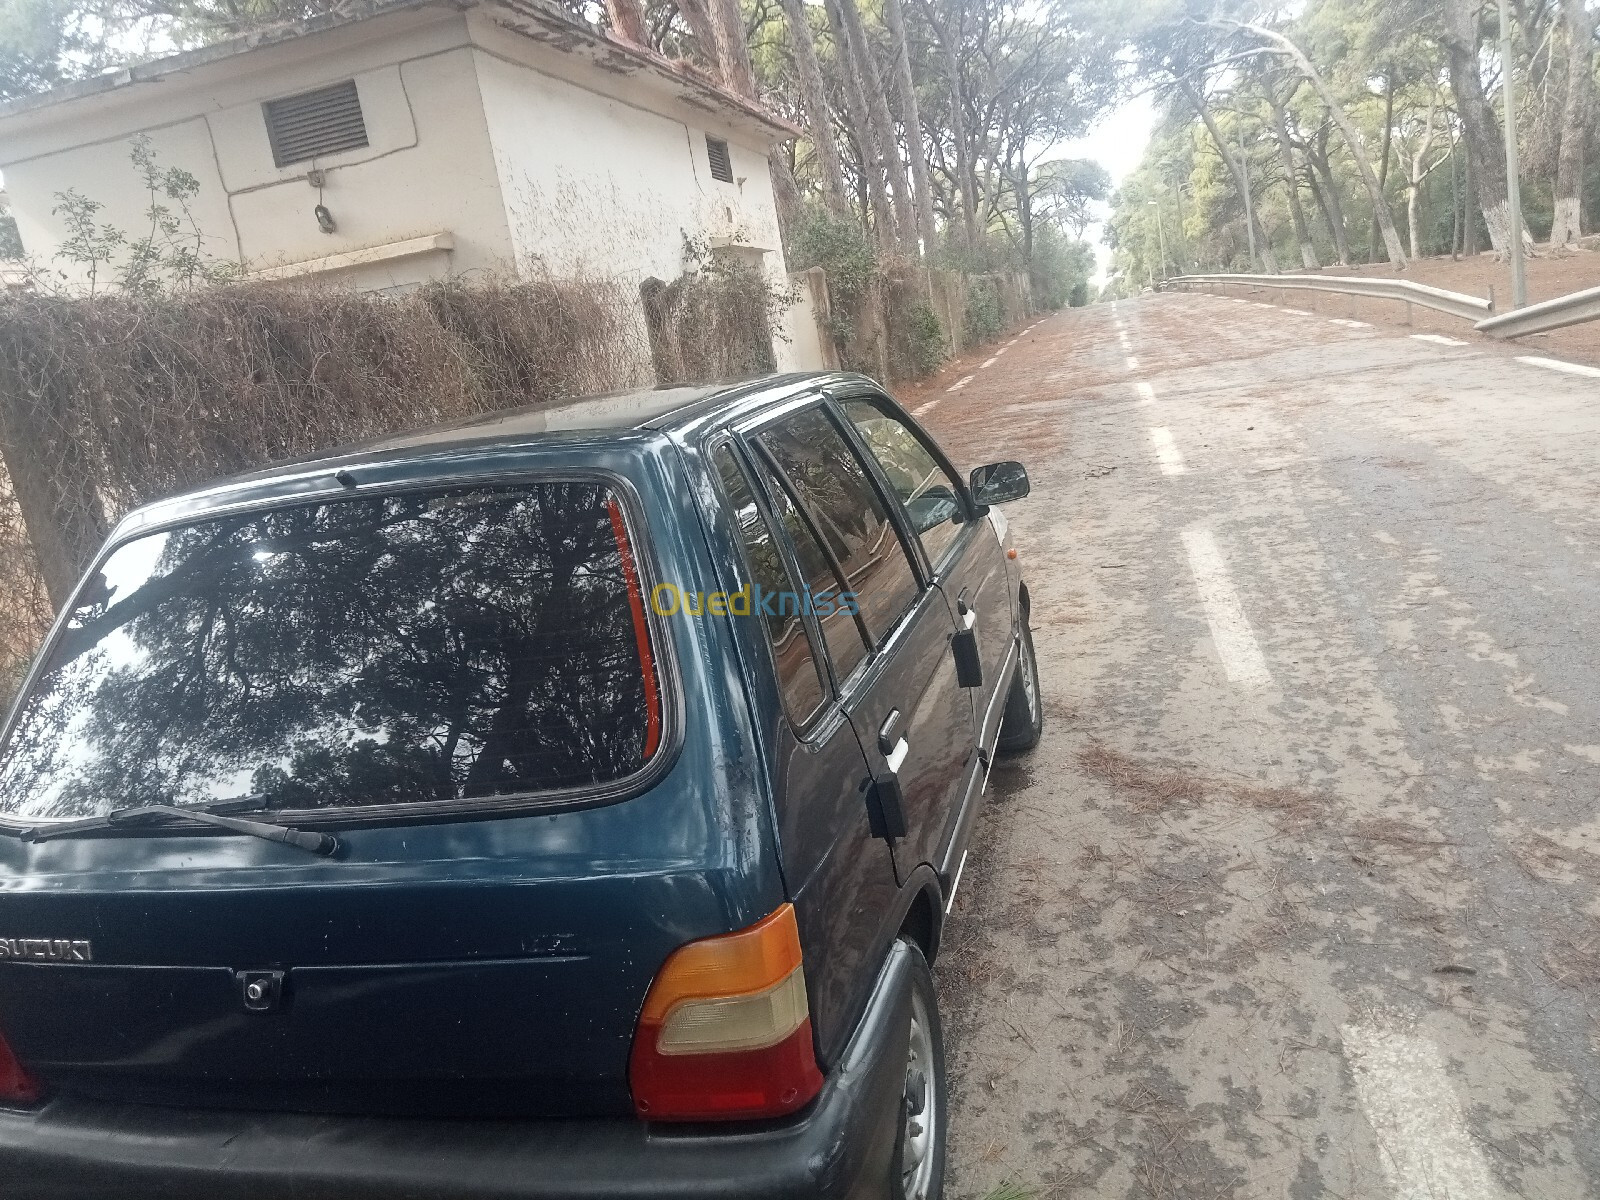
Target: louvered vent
column 721, row 164
column 311, row 124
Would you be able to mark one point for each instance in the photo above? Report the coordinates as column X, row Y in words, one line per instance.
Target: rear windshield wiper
column 316, row 843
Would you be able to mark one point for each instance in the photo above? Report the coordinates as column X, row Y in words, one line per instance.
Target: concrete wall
column 427, row 169
column 529, row 157
column 805, row 347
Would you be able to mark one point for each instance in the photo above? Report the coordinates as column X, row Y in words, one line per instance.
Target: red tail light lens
column 16, row 1085
column 726, row 1029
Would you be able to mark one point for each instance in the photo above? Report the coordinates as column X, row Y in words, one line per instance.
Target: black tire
column 925, row 1085
column 1023, row 720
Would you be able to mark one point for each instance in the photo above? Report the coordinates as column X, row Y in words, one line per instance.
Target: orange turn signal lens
column 750, row 960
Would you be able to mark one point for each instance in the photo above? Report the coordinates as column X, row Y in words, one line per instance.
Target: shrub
column 985, row 311
column 840, row 247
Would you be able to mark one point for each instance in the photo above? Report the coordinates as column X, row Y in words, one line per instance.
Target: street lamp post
column 1161, row 235
column 1519, row 280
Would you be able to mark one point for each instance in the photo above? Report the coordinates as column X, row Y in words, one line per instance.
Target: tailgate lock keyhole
column 262, row 990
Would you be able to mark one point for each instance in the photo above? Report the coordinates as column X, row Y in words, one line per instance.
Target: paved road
column 1297, row 898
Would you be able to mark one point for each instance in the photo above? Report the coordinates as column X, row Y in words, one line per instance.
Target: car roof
column 588, row 420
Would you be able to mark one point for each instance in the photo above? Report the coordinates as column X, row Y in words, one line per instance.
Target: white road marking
column 1349, row 324
column 922, row 409
column 989, row 362
column 1167, row 452
column 959, row 384
column 1147, row 394
column 1001, row 351
column 1230, row 628
column 1422, row 1134
column 1558, row 364
column 1438, row 339
column 1133, row 363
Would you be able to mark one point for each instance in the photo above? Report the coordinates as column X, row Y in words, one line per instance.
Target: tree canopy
column 1353, row 131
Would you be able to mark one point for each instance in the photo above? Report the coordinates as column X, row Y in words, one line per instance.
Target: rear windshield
column 421, row 646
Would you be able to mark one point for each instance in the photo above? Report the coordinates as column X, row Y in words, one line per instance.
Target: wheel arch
column 923, row 921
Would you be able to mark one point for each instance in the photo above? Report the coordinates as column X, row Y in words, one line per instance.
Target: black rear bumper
column 840, row 1146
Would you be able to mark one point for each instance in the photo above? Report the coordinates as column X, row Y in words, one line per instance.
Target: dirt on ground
column 1548, row 275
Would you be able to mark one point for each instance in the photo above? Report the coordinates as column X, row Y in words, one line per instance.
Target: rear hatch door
column 466, row 686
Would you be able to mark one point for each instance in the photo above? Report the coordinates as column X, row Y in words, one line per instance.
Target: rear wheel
column 918, row 1168
column 1023, row 721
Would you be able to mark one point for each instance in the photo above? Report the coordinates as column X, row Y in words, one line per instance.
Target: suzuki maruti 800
column 561, row 803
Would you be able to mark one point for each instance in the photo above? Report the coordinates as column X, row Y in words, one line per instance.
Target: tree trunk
column 1469, row 203
column 1383, row 164
column 1302, row 231
column 627, row 21
column 704, row 29
column 1485, row 146
column 1568, row 224
column 1269, row 261
column 814, row 99
column 1358, row 154
column 911, row 119
column 882, row 121
column 785, row 195
column 866, row 140
column 1419, row 170
column 732, row 51
column 966, row 176
column 1333, row 207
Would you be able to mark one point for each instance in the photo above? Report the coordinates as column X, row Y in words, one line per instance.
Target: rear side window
column 839, row 629
column 777, row 600
column 832, row 484
column 421, row 646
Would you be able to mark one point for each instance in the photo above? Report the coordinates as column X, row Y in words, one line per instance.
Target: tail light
column 726, row 1029
column 16, row 1085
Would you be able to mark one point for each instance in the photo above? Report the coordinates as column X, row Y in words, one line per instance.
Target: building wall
column 497, row 139
column 597, row 185
column 427, row 168
column 601, row 186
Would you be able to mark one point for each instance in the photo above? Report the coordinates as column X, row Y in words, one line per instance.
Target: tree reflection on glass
column 410, row 647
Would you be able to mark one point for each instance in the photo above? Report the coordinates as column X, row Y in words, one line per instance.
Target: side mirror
column 999, row 482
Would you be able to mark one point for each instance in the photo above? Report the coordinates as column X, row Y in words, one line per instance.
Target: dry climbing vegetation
column 109, row 402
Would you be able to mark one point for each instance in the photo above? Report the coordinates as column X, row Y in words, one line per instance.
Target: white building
column 420, row 139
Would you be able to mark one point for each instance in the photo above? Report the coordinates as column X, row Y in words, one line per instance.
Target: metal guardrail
column 1456, row 304
column 1567, row 310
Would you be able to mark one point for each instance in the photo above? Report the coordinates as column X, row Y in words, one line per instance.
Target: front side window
column 930, row 495
column 776, row 599
column 832, row 484
column 421, row 646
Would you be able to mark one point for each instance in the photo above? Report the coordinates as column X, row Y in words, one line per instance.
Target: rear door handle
column 886, row 813
column 886, row 732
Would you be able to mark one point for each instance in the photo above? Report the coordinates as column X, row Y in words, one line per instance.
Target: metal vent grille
column 325, row 121
column 721, row 164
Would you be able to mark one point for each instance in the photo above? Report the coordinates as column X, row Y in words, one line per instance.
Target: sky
column 1117, row 144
